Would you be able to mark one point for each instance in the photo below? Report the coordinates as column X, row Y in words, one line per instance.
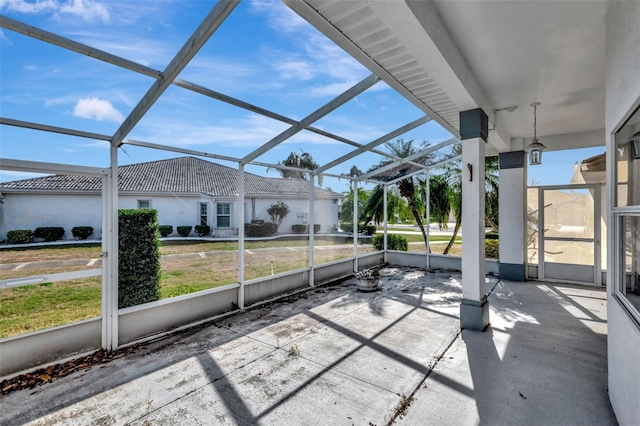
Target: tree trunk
column 407, row 192
column 453, row 238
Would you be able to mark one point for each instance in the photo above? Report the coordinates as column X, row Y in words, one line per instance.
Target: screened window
column 223, row 219
column 626, row 214
column 204, row 215
column 144, row 204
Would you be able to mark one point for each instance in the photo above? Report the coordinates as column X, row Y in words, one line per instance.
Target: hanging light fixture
column 535, row 148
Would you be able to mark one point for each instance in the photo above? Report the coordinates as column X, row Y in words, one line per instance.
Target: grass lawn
column 35, row 307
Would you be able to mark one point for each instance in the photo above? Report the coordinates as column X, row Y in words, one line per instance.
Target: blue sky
column 263, row 54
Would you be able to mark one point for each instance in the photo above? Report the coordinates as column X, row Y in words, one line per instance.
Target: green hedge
column 81, row 232
column 491, row 249
column 49, row 233
column 19, row 236
column 138, row 257
column 394, row 242
column 367, row 229
column 299, row 229
column 202, row 230
column 165, row 230
column 184, row 231
column 362, row 228
column 265, row 229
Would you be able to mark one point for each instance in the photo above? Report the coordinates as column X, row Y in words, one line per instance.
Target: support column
column 512, row 205
column 355, row 226
column 240, row 219
column 474, row 310
column 385, row 219
column 312, row 219
column 110, row 311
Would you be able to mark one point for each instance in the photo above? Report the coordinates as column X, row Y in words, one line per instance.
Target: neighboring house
column 184, row 191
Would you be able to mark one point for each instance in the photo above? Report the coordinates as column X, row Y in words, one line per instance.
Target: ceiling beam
column 65, row 43
column 404, row 129
column 200, row 36
column 313, row 117
column 53, row 129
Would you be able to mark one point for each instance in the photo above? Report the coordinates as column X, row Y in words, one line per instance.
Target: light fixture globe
column 535, row 148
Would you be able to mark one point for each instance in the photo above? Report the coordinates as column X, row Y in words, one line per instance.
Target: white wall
column 22, row 211
column 29, row 211
column 622, row 91
column 325, row 211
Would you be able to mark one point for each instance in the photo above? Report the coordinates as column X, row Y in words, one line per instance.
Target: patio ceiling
column 447, row 57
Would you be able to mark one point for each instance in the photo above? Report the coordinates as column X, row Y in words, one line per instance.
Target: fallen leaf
column 45, row 377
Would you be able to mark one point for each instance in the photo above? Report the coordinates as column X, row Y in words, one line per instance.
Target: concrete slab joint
column 474, row 314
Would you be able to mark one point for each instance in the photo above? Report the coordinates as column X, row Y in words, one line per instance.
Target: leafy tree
column 452, row 173
column 302, row 161
column 278, row 212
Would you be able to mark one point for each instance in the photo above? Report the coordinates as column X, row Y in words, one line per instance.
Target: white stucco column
column 355, row 226
column 474, row 309
column 513, row 208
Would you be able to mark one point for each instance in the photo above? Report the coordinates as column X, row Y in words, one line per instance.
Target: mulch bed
column 53, row 372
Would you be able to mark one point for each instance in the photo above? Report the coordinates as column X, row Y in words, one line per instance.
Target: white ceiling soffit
column 357, row 29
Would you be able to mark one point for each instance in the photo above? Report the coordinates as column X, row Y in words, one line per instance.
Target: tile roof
column 183, row 174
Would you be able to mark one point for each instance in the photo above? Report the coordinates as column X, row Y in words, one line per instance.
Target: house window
column 144, row 204
column 223, row 218
column 626, row 217
column 204, row 216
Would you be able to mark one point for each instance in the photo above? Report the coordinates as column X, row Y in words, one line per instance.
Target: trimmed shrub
column 491, row 249
column 299, row 229
column 49, row 233
column 165, row 230
column 265, row 229
column 138, row 257
column 184, row 231
column 367, row 229
column 394, row 242
column 81, row 232
column 19, row 236
column 202, row 230
column 316, row 228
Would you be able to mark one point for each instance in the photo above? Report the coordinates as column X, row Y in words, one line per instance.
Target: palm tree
column 302, row 161
column 346, row 213
column 374, row 209
column 406, row 187
column 452, row 174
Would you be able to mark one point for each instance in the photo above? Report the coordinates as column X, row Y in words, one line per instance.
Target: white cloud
column 281, row 18
column 5, row 39
column 97, row 109
column 250, row 131
column 88, row 10
column 295, row 69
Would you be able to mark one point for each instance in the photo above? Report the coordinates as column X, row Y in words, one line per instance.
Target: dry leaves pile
column 48, row 374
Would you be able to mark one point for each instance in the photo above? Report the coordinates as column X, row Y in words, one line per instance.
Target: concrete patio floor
column 335, row 356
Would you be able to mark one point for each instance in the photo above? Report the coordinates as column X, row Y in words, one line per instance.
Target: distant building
column 184, row 191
